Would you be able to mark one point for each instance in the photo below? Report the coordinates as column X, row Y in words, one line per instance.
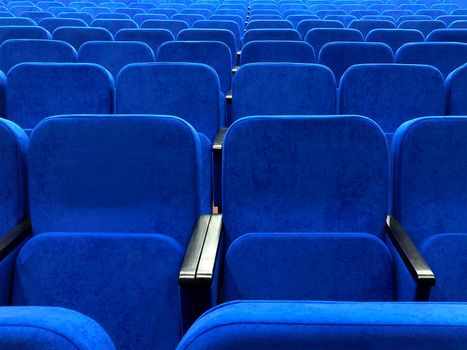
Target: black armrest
column 228, row 97
column 413, row 260
column 239, row 52
column 219, row 140
column 234, row 70
column 199, row 262
column 13, row 238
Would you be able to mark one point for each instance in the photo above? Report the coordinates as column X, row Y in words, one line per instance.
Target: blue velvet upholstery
column 113, row 16
column 153, row 37
column 169, row 12
column 77, row 36
column 426, row 27
column 339, row 56
column 367, row 25
column 17, row 21
column 13, row 192
column 220, row 24
column 94, row 11
column 223, row 35
column 50, row 328
column 456, row 86
column 270, row 34
column 448, row 19
column 202, row 12
column 266, row 24
column 173, row 26
column 412, row 18
column 23, row 32
column 397, row 13
column 277, row 51
column 190, row 19
column 450, row 35
column 38, row 90
column 266, row 325
column 431, row 207
column 140, row 18
column 344, row 19
column 194, row 93
column 395, row 38
column 86, row 17
column 442, row 55
column 36, row 16
column 458, row 24
column 332, row 175
column 114, row 55
column 391, row 94
column 237, row 19
column 53, row 23
column 114, row 25
column 16, row 51
column 282, row 88
column 318, row 37
column 306, row 25
column 213, row 53
column 361, row 13
column 296, row 19
column 434, row 13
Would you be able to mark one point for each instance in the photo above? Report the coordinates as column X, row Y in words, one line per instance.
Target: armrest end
column 219, row 140
column 207, row 260
column 13, row 238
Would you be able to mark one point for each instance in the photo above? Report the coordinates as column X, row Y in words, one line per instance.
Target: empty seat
column 444, row 56
column 36, row 16
column 306, row 25
column 4, row 14
column 361, row 13
column 378, row 18
column 76, row 36
column 265, row 24
column 451, row 35
column 312, row 325
column 86, row 17
column 17, row 21
column 395, row 38
column 456, row 84
column 173, row 26
column 367, row 25
column 413, row 18
column 129, row 11
column 339, row 56
column 114, row 25
column 433, row 13
column 17, row 51
column 112, row 16
column 61, row 88
column 201, row 12
column 318, row 37
column 459, row 24
column 50, row 328
column 153, row 37
column 219, row 24
column 237, row 19
column 344, row 19
column 430, row 192
column 19, row 32
column 270, row 34
column 140, row 18
column 391, row 94
column 215, row 54
column 325, row 13
column 194, row 93
column 426, row 27
column 57, row 10
column 114, row 55
column 50, row 24
column 112, row 223
column 94, row 11
column 396, row 14
column 163, row 11
column 190, row 19
column 18, row 10
column 448, row 19
column 281, row 89
column 277, row 51
column 382, row 7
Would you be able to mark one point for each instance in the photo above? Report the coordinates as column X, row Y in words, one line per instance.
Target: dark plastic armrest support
column 235, row 69
column 198, row 264
column 219, row 140
column 413, row 260
column 10, row 240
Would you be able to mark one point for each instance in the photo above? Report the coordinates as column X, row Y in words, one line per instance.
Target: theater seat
column 277, row 51
column 219, row 24
column 153, row 37
column 53, row 23
column 456, row 84
column 270, row 34
column 426, row 27
column 77, row 36
column 450, row 35
column 173, row 26
column 395, row 38
column 113, row 25
column 306, row 25
column 318, row 325
column 318, row 37
column 22, row 32
column 367, row 25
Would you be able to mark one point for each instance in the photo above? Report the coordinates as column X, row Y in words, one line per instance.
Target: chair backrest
column 344, row 19
column 153, row 37
column 220, row 24
column 22, row 32
column 53, row 23
column 194, row 97
column 391, row 94
column 426, row 27
column 283, row 89
column 318, row 37
column 395, row 38
column 367, row 25
column 113, row 25
column 173, row 26
column 277, row 51
column 339, row 56
column 296, row 19
column 450, row 35
column 77, row 36
column 304, row 26
column 140, row 18
column 456, row 85
column 16, row 51
column 266, row 24
column 114, row 55
column 270, row 34
column 36, row 16
column 190, row 19
column 86, row 17
column 38, row 90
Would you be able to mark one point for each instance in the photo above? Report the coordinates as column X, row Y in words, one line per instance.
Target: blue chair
column 17, row 10
column 320, row 325
column 36, row 16
column 17, row 21
column 20, row 32
column 382, row 7
column 114, row 25
column 142, row 6
column 173, row 26
column 296, row 19
column 77, row 36
column 344, row 19
column 459, row 24
column 448, row 19
column 395, row 38
column 442, row 55
column 80, row 4
column 50, row 328
column 215, row 54
column 219, row 24
column 94, row 11
column 269, row 24
column 140, row 18
column 367, row 25
column 163, row 11
column 50, row 24
column 282, row 89
column 62, row 88
column 129, row 11
column 15, row 51
column 318, row 37
column 324, row 13
column 86, row 17
column 277, row 51
column 4, row 14
column 201, row 12
column 114, row 55
column 57, row 10
column 391, row 94
column 396, row 14
column 306, row 25
column 340, row 56
column 433, row 13
column 237, row 19
column 153, row 37
column 448, row 7
column 456, row 83
column 426, row 27
column 361, row 13
column 270, row 34
column 190, row 19
column 112, row 16
column 449, row 35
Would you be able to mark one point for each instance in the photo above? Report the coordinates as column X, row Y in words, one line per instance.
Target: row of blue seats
column 117, row 220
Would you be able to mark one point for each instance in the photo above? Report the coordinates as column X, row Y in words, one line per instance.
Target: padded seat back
column 277, row 51
column 114, row 25
column 395, row 38
column 318, row 37
column 451, row 35
column 270, row 34
column 173, row 26
column 53, row 23
column 77, row 36
column 456, row 84
column 426, row 27
column 304, row 26
column 153, row 37
column 367, row 25
column 23, row 32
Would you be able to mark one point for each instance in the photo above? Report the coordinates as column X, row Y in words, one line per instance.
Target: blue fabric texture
column 114, row 55
column 320, row 325
column 71, row 88
column 215, row 54
column 318, row 37
column 194, row 93
column 85, row 17
column 143, row 17
column 367, row 25
column 77, row 36
column 114, row 25
column 450, row 35
column 395, row 38
column 36, row 16
column 153, row 37
column 17, row 51
column 188, row 18
column 222, row 24
column 20, row 32
column 306, row 25
column 391, row 94
column 17, row 21
column 442, row 55
column 339, row 56
column 173, row 26
column 344, row 19
column 277, row 51
column 38, row 328
column 270, row 34
column 53, row 23
column 282, row 88
column 274, row 23
column 456, row 86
